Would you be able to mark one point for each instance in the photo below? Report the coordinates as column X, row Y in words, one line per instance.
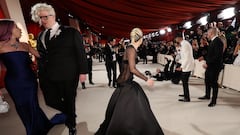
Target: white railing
column 231, row 76
column 228, row 77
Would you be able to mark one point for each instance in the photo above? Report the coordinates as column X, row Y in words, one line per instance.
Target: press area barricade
column 228, row 77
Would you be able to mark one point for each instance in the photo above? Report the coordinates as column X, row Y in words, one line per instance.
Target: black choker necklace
column 16, row 45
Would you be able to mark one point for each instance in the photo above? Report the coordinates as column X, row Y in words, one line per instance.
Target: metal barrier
column 229, row 77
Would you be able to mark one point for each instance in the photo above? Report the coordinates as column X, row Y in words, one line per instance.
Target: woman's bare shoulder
column 2, row 46
column 24, row 46
column 23, row 43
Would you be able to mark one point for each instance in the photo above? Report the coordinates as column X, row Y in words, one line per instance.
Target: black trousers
column 119, row 61
column 145, row 59
column 185, row 78
column 61, row 95
column 211, row 78
column 90, row 69
column 100, row 58
column 111, row 69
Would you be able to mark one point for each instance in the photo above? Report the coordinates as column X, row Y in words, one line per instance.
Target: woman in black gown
column 129, row 111
column 20, row 80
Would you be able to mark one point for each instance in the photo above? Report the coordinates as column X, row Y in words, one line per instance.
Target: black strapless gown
column 129, row 111
column 21, row 84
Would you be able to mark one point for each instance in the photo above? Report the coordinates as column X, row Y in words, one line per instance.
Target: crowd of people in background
column 200, row 41
column 200, row 44
column 229, row 34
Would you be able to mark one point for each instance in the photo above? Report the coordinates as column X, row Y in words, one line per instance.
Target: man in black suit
column 110, row 61
column 214, row 64
column 89, row 52
column 62, row 60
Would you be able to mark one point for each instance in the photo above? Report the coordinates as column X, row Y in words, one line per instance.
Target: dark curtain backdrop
column 1, row 13
column 119, row 16
column 33, row 28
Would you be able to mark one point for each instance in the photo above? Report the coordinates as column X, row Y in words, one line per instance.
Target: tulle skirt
column 129, row 113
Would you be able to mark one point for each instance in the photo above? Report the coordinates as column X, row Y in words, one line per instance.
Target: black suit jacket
column 109, row 54
column 64, row 56
column 214, row 57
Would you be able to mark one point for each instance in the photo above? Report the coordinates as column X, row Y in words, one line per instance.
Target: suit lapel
column 57, row 33
column 42, row 36
column 56, row 38
column 41, row 39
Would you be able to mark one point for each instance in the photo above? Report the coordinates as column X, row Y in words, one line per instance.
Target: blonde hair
column 41, row 7
column 136, row 34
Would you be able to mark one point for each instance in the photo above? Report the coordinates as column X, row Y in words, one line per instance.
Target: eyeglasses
column 44, row 17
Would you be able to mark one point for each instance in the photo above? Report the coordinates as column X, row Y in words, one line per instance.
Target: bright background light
column 188, row 25
column 227, row 13
column 203, row 20
column 169, row 29
column 162, row 32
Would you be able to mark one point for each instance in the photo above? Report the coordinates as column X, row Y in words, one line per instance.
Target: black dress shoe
column 72, row 131
column 114, row 85
column 204, row 98
column 184, row 100
column 181, row 95
column 91, row 83
column 211, row 104
column 109, row 83
column 83, row 85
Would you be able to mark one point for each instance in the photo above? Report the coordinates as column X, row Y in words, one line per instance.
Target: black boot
column 83, row 85
column 72, row 131
column 90, row 78
column 109, row 83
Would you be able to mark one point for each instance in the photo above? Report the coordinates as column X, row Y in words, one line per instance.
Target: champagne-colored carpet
column 175, row 118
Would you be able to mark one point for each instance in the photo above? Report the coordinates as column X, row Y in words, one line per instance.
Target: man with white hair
column 62, row 60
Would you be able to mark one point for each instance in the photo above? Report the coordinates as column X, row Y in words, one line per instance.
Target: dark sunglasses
column 44, row 17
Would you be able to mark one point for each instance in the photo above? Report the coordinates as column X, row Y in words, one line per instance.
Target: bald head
column 212, row 32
